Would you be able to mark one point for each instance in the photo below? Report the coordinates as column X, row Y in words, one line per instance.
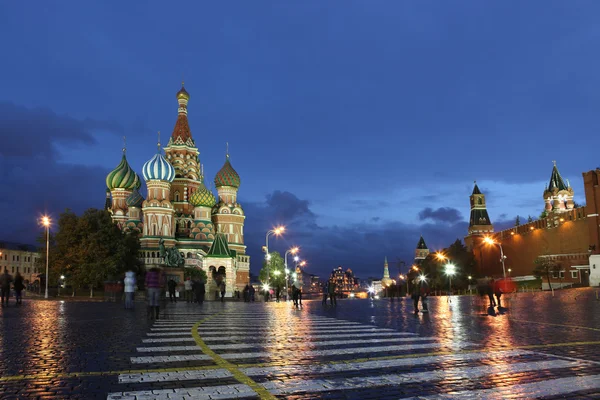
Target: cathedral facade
column 180, row 212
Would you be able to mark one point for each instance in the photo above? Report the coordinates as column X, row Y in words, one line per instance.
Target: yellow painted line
column 235, row 371
column 560, row 325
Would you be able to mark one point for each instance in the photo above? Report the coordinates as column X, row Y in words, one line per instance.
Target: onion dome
column 183, row 94
column 227, row 176
column 139, row 182
column 135, row 199
column 203, row 197
column 158, row 168
column 122, row 177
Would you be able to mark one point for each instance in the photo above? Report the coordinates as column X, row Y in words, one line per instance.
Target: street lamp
column 46, row 223
column 441, row 257
column 293, row 251
column 276, row 231
column 450, row 271
column 491, row 241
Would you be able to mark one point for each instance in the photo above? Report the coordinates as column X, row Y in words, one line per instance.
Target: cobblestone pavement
column 540, row 347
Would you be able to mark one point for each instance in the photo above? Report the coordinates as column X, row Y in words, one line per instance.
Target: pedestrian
column 188, row 289
column 490, row 292
column 277, row 293
column 223, row 289
column 325, row 293
column 19, row 286
column 415, row 295
column 5, row 281
column 332, row 294
column 129, row 282
column 252, row 293
column 247, row 293
column 424, row 289
column 199, row 290
column 153, row 287
column 172, row 285
column 497, row 288
column 298, row 286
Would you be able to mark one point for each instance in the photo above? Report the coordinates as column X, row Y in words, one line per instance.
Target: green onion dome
column 203, row 197
column 135, row 199
column 227, row 176
column 122, row 177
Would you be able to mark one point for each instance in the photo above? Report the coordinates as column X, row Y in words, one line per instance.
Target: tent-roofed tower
column 479, row 222
column 386, row 280
column 558, row 195
column 182, row 153
column 422, row 251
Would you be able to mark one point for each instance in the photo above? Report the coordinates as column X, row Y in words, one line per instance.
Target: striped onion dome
column 158, row 168
column 122, row 177
column 227, row 176
column 203, row 197
column 135, row 199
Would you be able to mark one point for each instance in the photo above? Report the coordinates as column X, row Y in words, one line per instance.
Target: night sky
column 358, row 124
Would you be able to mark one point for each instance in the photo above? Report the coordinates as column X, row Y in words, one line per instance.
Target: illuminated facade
column 180, row 211
column 22, row 258
column 344, row 280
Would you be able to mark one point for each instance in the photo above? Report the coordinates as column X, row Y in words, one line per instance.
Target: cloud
column 34, row 133
column 442, row 214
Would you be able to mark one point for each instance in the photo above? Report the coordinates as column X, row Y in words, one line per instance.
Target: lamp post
column 293, row 250
column 277, row 231
column 450, row 271
column 46, row 223
column 489, row 240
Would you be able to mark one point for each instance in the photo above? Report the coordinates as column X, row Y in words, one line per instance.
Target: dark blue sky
column 359, row 124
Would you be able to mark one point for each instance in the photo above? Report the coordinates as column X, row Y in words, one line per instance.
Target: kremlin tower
column 421, row 252
column 479, row 222
column 386, row 280
column 181, row 211
column 558, row 196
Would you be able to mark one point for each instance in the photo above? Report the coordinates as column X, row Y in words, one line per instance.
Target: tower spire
column 227, row 150
column 158, row 144
column 124, row 145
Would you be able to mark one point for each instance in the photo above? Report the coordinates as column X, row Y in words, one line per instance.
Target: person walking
column 332, row 294
column 129, row 282
column 325, row 293
column 415, row 295
column 497, row 288
column 297, row 285
column 153, row 288
column 490, row 292
column 199, row 290
column 188, row 289
column 19, row 286
column 223, row 289
column 5, row 281
column 252, row 293
column 247, row 293
column 172, row 285
column 424, row 289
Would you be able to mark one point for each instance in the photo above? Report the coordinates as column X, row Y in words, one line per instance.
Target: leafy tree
column 544, row 267
column 196, row 274
column 274, row 269
column 90, row 249
column 434, row 268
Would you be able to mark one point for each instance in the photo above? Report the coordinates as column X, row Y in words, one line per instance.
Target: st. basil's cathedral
column 180, row 212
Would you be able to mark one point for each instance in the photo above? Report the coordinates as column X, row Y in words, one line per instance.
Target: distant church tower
column 121, row 182
column 479, row 223
column 558, row 195
column 421, row 252
column 386, row 281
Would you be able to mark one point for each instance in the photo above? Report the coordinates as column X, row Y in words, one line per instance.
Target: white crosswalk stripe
column 321, row 340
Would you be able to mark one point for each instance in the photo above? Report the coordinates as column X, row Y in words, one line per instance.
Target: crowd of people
column 5, row 286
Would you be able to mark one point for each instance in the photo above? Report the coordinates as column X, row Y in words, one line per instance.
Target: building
column 23, row 258
column 181, row 223
column 421, row 252
column 344, row 280
column 386, row 280
column 565, row 234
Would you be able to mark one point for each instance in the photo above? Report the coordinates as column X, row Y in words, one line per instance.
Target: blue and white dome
column 158, row 168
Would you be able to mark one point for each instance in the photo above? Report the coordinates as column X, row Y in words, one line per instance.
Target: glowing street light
column 491, row 241
column 294, row 250
column 276, row 231
column 46, row 222
column 450, row 270
column 442, row 257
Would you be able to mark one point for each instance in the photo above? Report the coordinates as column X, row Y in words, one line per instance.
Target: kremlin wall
column 567, row 235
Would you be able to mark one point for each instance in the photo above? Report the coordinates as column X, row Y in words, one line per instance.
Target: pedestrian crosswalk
column 310, row 356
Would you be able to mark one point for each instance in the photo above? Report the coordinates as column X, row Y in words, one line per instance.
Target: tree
column 90, row 249
column 518, row 221
column 544, row 267
column 196, row 274
column 274, row 268
column 530, row 218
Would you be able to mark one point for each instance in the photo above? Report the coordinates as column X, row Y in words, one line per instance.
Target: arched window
column 176, row 196
column 153, row 254
column 189, row 224
column 479, row 201
column 189, row 255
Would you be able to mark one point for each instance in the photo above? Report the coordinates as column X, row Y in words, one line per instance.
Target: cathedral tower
column 121, row 182
column 558, row 196
column 421, row 251
column 182, row 153
column 479, row 223
column 134, row 214
column 227, row 214
column 203, row 229
column 157, row 208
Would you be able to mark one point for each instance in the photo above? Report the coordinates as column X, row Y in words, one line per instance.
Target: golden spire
column 124, row 144
column 227, row 150
column 158, row 144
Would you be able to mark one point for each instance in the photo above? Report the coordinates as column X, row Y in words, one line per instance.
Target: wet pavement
column 540, row 347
